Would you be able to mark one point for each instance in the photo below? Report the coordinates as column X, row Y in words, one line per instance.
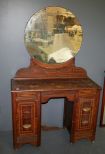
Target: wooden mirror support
column 37, row 70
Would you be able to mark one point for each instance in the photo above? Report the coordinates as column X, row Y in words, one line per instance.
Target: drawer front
column 27, row 96
column 84, row 114
column 70, row 95
column 26, row 118
column 88, row 93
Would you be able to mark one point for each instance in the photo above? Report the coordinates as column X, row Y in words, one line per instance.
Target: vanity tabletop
column 52, row 84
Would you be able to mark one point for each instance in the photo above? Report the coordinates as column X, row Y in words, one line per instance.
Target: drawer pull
column 85, row 122
column 26, row 112
column 86, row 109
column 27, row 126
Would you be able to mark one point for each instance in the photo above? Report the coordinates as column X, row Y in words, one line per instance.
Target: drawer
column 86, row 121
column 27, row 128
column 27, row 96
column 46, row 95
column 86, row 92
column 86, row 110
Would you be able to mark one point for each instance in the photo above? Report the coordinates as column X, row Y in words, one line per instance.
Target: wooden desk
column 80, row 106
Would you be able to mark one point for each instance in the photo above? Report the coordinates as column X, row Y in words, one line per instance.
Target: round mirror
column 53, row 35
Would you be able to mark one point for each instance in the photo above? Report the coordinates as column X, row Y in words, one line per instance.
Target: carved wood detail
column 39, row 71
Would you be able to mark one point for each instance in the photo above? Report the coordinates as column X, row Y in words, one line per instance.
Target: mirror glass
column 53, row 35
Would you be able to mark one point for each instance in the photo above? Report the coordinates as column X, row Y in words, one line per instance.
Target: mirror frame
column 53, row 65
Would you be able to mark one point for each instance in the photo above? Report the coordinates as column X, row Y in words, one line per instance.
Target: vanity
column 51, row 76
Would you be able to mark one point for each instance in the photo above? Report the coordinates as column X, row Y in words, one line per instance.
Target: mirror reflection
column 53, row 35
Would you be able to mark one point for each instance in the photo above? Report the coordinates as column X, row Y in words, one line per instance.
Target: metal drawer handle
column 86, row 109
column 27, row 126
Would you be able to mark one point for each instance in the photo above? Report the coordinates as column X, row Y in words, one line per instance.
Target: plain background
column 14, row 15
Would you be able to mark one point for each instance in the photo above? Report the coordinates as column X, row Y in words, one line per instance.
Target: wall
column 13, row 55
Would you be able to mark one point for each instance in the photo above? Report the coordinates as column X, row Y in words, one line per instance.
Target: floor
column 55, row 142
